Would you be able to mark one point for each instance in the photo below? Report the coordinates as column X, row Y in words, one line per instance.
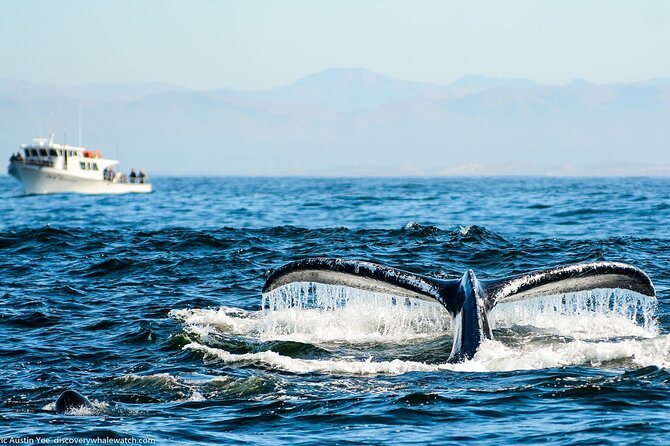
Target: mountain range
column 356, row 122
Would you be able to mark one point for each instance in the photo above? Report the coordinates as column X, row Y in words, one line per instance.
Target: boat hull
column 47, row 180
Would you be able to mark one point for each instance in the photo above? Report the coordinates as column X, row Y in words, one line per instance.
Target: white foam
column 595, row 314
column 492, row 356
column 163, row 380
column 225, row 319
column 196, row 396
column 324, row 314
column 464, row 230
column 99, row 407
column 495, row 356
column 295, row 365
column 594, row 328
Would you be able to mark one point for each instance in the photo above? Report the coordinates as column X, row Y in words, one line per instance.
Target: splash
column 99, row 408
column 595, row 328
column 595, row 314
column 330, row 312
column 324, row 314
column 495, row 356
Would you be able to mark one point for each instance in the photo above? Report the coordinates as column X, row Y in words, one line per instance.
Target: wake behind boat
column 45, row 167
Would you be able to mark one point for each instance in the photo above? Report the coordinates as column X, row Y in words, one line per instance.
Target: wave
column 30, row 319
column 493, row 356
column 164, row 387
column 43, row 235
column 108, row 266
column 185, row 239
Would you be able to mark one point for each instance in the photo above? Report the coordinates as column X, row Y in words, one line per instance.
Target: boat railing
column 119, row 177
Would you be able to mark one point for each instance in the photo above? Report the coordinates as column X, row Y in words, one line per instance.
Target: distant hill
column 353, row 121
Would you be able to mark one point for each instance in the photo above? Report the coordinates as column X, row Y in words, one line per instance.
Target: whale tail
column 468, row 300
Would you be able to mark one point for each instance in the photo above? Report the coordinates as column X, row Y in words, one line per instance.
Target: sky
column 253, row 44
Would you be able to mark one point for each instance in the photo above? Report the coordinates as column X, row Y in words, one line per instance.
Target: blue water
column 149, row 305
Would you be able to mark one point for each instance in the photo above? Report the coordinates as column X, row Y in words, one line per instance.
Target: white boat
column 45, row 167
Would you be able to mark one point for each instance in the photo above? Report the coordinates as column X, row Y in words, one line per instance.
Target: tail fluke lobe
column 366, row 276
column 569, row 279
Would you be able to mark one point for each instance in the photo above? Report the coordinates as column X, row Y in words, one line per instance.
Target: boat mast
column 79, row 125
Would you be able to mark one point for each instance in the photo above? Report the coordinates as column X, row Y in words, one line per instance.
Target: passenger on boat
column 108, row 174
column 141, row 176
column 132, row 175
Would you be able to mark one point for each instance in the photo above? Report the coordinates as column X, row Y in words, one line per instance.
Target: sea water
column 151, row 306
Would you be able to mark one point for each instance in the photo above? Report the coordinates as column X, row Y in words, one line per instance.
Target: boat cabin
column 75, row 160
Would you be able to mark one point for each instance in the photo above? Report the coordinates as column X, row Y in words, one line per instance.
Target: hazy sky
column 260, row 44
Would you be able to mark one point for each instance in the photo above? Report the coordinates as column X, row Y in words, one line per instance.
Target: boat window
column 43, row 152
column 27, row 152
column 82, row 165
column 33, row 152
column 52, row 152
column 94, row 166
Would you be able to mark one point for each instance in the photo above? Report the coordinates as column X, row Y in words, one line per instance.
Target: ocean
column 151, row 306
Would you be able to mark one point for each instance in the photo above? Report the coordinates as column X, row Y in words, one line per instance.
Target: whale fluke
column 468, row 300
column 71, row 400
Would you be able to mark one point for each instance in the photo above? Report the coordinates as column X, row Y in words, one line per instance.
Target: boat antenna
column 79, row 125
